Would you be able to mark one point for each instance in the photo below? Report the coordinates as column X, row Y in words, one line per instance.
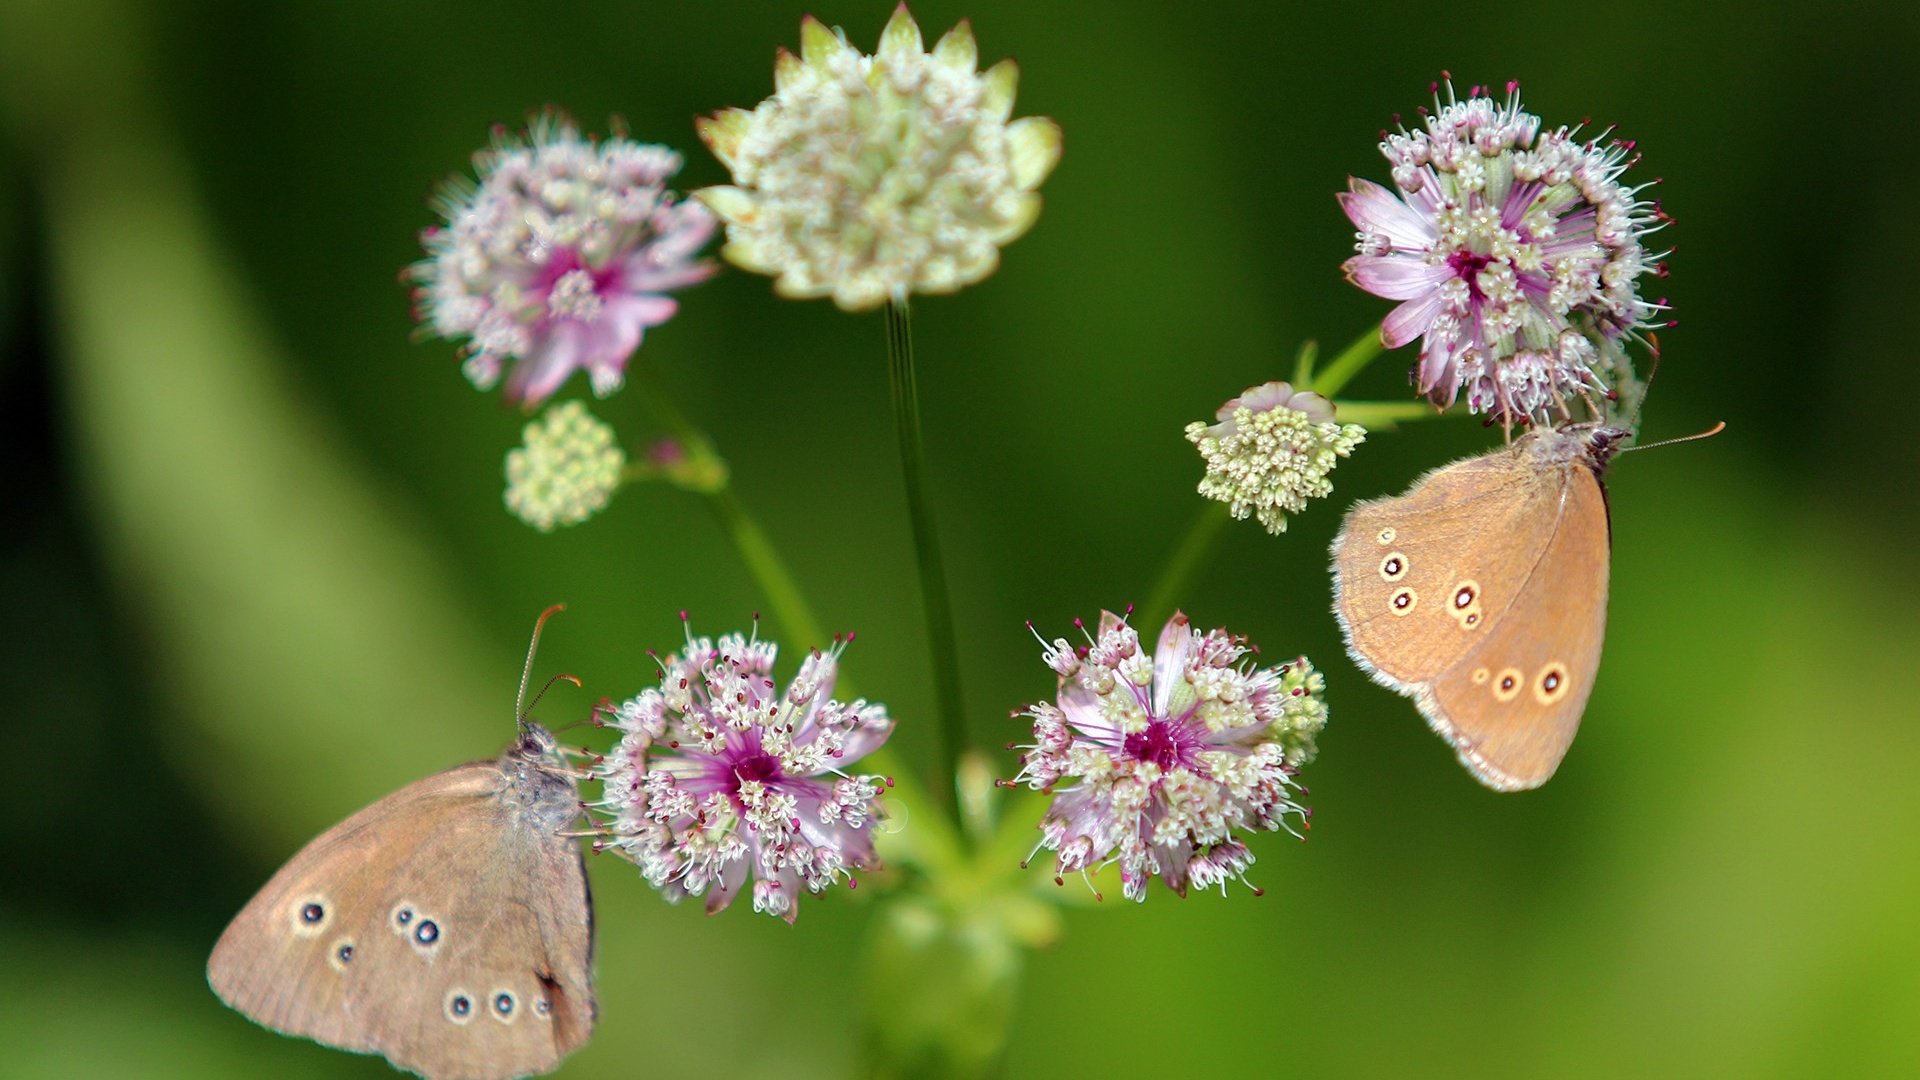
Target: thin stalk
column 929, row 834
column 935, row 602
column 769, row 571
column 1383, row 415
column 1203, row 536
column 1351, row 361
column 1176, row 577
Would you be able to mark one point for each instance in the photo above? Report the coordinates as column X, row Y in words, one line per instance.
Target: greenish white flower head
column 868, row 178
column 565, row 470
column 1272, row 451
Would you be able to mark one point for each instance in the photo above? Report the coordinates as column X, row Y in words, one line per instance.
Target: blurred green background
column 257, row 571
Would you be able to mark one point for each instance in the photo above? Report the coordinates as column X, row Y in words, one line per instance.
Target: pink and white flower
column 1167, row 756
column 559, row 259
column 719, row 778
column 1516, row 256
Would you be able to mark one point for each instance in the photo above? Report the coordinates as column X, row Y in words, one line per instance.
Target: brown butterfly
column 1482, row 594
column 447, row 927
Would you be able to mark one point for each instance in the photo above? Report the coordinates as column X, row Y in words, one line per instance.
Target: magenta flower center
column 1467, row 266
column 571, row 288
column 760, row 768
column 1162, row 743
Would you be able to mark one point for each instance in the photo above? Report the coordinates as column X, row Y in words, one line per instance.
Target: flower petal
column 1081, row 707
column 1396, row 277
column 1003, row 80
column 640, row 311
column 1373, row 208
column 659, row 279
column 733, row 205
column 722, row 132
column 818, row 44
column 748, row 256
column 1409, row 320
column 956, row 50
column 1033, row 145
column 553, row 357
column 864, row 740
column 1170, row 665
column 727, row 886
column 900, row 42
column 789, row 71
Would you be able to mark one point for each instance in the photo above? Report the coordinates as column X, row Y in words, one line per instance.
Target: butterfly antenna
column 1633, row 422
column 1707, row 434
column 562, row 677
column 526, row 673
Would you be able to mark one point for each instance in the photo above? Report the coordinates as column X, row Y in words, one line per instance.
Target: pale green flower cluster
column 1303, row 710
column 1272, row 451
column 565, row 470
column 868, row 178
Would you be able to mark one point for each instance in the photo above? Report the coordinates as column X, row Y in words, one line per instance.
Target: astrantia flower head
column 559, row 259
column 1272, row 451
column 1164, row 758
column 720, row 778
column 867, row 178
column 1516, row 256
column 565, row 470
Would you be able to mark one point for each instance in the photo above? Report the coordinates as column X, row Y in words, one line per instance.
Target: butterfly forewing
column 453, row 934
column 1420, row 577
column 1514, row 703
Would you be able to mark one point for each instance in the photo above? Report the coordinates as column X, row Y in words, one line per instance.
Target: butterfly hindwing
column 503, row 987
column 1420, row 577
column 1511, row 707
column 446, row 896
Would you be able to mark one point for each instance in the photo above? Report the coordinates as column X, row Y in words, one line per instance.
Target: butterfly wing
column 1512, row 706
column 370, row 938
column 1419, row 578
column 1481, row 594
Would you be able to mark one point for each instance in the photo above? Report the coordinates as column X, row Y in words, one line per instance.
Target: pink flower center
column 762, row 768
column 568, row 287
column 1467, row 266
column 1162, row 743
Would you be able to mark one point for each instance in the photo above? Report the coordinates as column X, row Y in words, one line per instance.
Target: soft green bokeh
column 259, row 571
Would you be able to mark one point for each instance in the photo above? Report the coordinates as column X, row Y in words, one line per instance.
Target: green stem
column 645, row 384
column 936, row 604
column 1204, row 534
column 777, row 584
column 1349, row 363
column 1178, row 574
column 1383, row 415
column 930, row 839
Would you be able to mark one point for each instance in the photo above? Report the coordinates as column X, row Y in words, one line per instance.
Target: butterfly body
column 446, row 927
column 1481, row 593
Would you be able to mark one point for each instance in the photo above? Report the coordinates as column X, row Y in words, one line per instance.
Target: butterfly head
column 1592, row 443
column 1604, row 441
column 536, row 745
column 540, row 781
